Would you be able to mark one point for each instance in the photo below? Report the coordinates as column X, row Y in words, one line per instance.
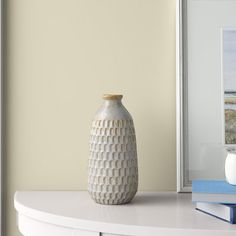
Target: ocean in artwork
column 229, row 79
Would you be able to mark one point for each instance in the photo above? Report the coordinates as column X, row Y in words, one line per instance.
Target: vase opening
column 112, row 96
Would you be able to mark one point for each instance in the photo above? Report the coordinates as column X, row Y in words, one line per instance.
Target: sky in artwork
column 229, row 60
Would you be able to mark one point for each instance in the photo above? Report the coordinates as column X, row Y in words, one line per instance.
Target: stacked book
column 216, row 198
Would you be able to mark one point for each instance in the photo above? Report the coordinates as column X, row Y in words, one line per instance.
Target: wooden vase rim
column 112, row 96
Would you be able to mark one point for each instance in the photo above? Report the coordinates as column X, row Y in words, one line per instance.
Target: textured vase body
column 230, row 168
column 113, row 167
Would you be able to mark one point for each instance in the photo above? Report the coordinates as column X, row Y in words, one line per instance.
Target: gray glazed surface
column 113, row 166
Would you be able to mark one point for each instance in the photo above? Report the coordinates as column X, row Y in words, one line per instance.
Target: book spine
column 232, row 215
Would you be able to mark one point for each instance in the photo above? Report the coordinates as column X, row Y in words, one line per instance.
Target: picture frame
column 180, row 102
column 201, row 88
column 1, row 120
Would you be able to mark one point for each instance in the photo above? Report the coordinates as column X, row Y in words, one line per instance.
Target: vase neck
column 112, row 109
column 112, row 99
column 108, row 103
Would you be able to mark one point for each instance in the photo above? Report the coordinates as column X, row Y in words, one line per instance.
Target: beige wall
column 61, row 56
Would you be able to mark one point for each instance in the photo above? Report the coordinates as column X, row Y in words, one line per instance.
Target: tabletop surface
column 148, row 209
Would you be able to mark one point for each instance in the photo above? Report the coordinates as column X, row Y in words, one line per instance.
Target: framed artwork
column 205, row 88
column 229, row 83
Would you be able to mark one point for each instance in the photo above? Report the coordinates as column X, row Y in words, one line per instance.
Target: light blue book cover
column 213, row 187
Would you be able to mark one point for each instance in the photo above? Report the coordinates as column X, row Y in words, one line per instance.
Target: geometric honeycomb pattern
column 113, row 167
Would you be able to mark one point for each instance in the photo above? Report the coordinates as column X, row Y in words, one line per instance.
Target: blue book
column 213, row 187
column 213, row 191
column 220, row 211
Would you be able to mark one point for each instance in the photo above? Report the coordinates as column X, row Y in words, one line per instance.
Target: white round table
column 73, row 213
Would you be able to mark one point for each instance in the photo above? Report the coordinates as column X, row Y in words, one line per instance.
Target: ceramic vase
column 113, row 166
column 230, row 167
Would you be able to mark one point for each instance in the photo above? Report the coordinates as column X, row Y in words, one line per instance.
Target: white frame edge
column 1, row 123
column 179, row 98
